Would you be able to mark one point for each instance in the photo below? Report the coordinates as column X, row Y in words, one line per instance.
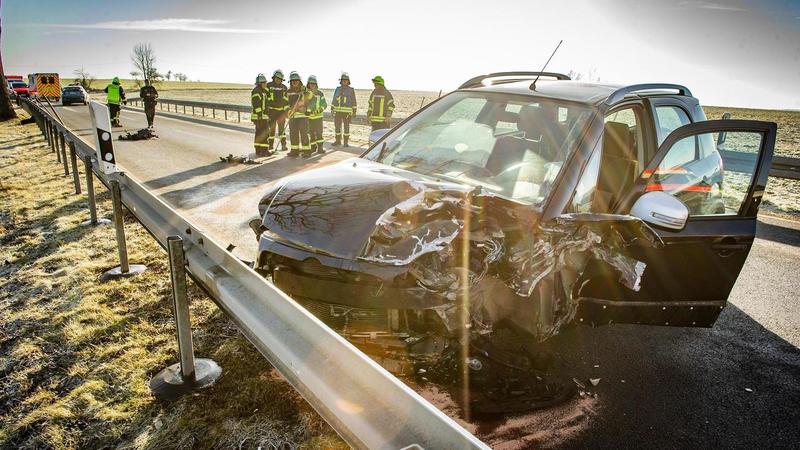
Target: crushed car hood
column 335, row 210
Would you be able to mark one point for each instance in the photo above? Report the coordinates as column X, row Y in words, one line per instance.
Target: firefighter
column 381, row 105
column 258, row 115
column 298, row 97
column 316, row 107
column 277, row 105
column 343, row 107
column 149, row 95
column 116, row 95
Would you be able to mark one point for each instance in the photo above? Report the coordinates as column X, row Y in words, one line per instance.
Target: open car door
column 718, row 171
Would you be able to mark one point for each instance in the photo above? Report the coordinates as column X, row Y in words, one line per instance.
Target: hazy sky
column 729, row 52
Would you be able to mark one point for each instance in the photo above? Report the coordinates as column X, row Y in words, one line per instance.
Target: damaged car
column 520, row 203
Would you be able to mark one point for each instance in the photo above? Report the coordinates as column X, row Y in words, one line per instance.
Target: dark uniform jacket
column 344, row 100
column 381, row 105
column 277, row 100
column 149, row 95
column 259, row 98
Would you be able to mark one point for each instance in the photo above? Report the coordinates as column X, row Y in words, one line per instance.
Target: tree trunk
column 6, row 108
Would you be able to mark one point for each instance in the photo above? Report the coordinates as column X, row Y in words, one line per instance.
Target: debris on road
column 141, row 135
column 748, row 389
column 594, row 381
column 230, row 159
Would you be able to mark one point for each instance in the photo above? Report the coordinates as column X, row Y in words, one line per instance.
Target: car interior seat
column 618, row 167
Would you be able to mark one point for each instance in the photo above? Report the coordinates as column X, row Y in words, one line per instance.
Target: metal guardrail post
column 124, row 269
column 188, row 374
column 49, row 127
column 63, row 143
column 93, row 220
column 55, row 142
column 73, row 158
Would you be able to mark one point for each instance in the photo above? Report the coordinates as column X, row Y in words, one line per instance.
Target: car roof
column 589, row 93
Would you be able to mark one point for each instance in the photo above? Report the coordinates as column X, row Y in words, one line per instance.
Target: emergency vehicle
column 45, row 85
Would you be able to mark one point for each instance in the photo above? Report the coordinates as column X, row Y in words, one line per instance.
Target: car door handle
column 726, row 247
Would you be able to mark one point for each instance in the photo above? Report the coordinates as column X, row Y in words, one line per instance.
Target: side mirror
column 661, row 210
column 377, row 134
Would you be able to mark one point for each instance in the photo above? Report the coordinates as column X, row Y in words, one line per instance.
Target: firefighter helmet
column 378, row 79
column 294, row 76
column 277, row 74
column 344, row 76
column 312, row 79
column 261, row 78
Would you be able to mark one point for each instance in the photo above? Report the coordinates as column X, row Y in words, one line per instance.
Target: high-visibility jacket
column 258, row 98
column 115, row 94
column 277, row 99
column 317, row 104
column 344, row 100
column 381, row 105
column 298, row 101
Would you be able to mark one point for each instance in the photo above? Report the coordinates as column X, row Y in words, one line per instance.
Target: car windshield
column 19, row 84
column 514, row 146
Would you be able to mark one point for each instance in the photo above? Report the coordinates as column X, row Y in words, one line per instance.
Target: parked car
column 74, row 94
column 19, row 89
column 522, row 201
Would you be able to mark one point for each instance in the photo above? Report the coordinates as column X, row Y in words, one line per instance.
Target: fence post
column 93, row 220
column 184, row 109
column 73, row 157
column 55, row 142
column 203, row 110
column 188, row 374
column 213, row 113
column 63, row 142
column 192, row 109
column 239, row 116
column 225, row 111
column 124, row 269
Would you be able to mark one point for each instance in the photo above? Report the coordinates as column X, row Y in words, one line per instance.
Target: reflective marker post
column 124, row 269
column 189, row 374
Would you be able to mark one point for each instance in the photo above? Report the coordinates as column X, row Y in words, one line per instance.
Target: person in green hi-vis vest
column 116, row 96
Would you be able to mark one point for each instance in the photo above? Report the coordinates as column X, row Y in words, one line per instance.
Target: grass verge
column 76, row 354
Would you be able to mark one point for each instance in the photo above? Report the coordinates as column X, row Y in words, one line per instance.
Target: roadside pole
column 189, row 374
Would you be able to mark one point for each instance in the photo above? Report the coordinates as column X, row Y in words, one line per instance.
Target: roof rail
column 515, row 76
column 620, row 93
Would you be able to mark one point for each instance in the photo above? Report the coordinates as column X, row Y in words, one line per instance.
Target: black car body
column 523, row 206
column 74, row 94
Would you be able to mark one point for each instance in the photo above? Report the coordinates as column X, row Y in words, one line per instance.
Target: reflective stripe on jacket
column 298, row 99
column 344, row 100
column 317, row 105
column 258, row 99
column 114, row 94
column 381, row 105
column 277, row 96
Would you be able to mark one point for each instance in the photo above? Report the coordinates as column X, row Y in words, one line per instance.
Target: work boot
column 320, row 150
column 283, row 146
column 337, row 143
column 293, row 154
column 346, row 144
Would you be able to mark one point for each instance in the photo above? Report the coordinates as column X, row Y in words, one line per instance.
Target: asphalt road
column 736, row 385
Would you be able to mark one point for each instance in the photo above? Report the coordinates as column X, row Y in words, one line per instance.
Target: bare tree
column 83, row 78
column 169, row 75
column 144, row 59
column 6, row 108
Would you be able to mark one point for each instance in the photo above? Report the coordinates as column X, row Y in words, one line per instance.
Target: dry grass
column 101, row 83
column 76, row 355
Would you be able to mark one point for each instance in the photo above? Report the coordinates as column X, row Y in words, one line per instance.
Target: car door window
column 668, row 119
column 631, row 117
column 711, row 179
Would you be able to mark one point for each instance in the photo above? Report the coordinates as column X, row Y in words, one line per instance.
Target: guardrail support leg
column 124, row 269
column 189, row 374
column 63, row 142
column 93, row 220
column 55, row 143
column 49, row 127
column 73, row 158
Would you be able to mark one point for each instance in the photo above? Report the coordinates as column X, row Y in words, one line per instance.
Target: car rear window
column 72, row 89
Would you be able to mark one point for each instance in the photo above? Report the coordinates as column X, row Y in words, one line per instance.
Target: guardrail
column 364, row 403
column 225, row 108
column 782, row 166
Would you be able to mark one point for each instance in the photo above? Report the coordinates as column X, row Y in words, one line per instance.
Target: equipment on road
column 141, row 135
column 46, row 85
